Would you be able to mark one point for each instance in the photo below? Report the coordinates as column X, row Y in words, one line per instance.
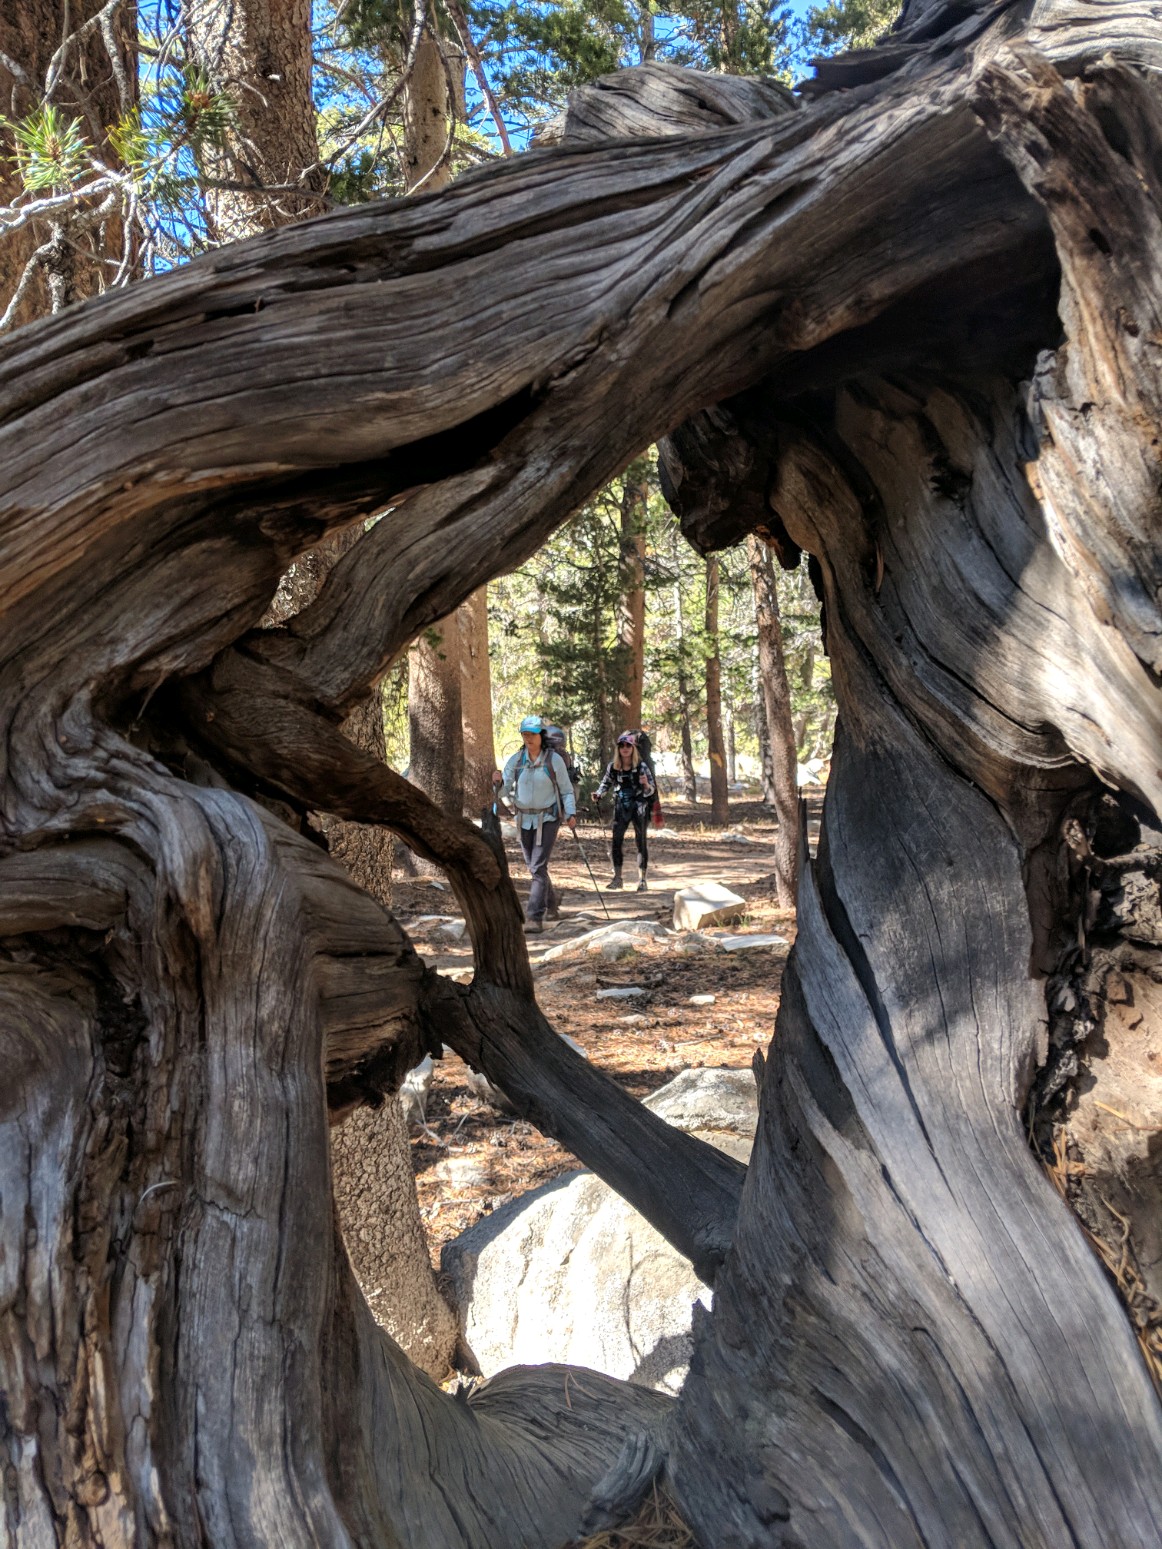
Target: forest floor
column 482, row 1158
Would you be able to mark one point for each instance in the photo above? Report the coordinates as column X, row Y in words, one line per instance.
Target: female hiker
column 536, row 784
column 631, row 779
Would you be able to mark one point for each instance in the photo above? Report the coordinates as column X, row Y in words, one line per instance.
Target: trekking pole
column 589, row 869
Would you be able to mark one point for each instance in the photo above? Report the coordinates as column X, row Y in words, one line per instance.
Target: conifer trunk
column 776, row 717
column 686, row 741
column 98, row 86
column 476, row 702
column 438, row 756
column 631, row 608
column 258, row 52
column 435, row 716
column 719, row 798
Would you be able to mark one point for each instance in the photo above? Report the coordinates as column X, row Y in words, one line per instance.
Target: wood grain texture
column 911, row 1343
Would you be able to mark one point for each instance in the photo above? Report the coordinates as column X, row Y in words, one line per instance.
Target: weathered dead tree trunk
column 901, row 291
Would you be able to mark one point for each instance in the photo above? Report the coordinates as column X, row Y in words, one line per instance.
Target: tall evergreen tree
column 68, row 72
column 716, row 750
column 631, row 603
column 776, row 718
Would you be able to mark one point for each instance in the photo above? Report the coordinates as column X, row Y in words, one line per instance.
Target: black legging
column 625, row 813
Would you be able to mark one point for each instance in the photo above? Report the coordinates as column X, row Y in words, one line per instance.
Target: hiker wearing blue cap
column 536, row 784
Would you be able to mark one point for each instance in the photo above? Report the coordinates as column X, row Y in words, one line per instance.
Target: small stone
column 622, row 992
column 702, row 1000
column 635, row 1019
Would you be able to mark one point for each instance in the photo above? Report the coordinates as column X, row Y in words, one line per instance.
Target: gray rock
column 613, row 950
column 570, row 1272
column 621, row 932
column 688, row 943
column 622, row 992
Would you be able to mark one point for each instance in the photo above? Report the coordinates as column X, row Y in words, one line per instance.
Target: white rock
column 746, row 943
column 570, row 1272
column 735, row 836
column 631, row 931
column 664, row 833
column 622, row 992
column 702, row 1000
column 453, row 929
column 706, row 903
column 635, row 1019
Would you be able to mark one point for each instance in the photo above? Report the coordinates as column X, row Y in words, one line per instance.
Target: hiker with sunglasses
column 536, row 785
column 631, row 779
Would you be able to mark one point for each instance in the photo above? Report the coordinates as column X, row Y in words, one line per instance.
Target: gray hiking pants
column 542, row 894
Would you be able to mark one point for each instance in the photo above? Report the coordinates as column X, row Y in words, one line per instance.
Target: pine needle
column 656, row 1526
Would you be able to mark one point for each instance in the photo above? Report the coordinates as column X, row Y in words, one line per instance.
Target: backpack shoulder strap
column 553, row 776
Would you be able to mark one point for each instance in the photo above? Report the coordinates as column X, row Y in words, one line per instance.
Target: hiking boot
column 641, row 882
column 553, row 912
column 614, row 882
column 534, row 928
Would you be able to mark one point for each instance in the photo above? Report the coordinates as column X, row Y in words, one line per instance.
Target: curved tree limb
column 687, row 1189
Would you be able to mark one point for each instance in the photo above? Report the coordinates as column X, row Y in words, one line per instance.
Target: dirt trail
column 484, row 1159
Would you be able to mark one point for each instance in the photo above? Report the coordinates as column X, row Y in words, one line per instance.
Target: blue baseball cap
column 532, row 723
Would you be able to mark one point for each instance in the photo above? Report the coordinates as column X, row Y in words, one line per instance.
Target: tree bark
column 476, row 702
column 438, row 758
column 435, row 716
column 261, row 55
column 371, row 1158
column 427, row 119
column 686, row 741
column 776, row 717
column 258, row 53
column 631, row 609
column 912, row 1341
column 716, row 751
column 95, row 82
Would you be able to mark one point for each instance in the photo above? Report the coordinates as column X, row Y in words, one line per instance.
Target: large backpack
column 555, row 739
column 641, row 741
